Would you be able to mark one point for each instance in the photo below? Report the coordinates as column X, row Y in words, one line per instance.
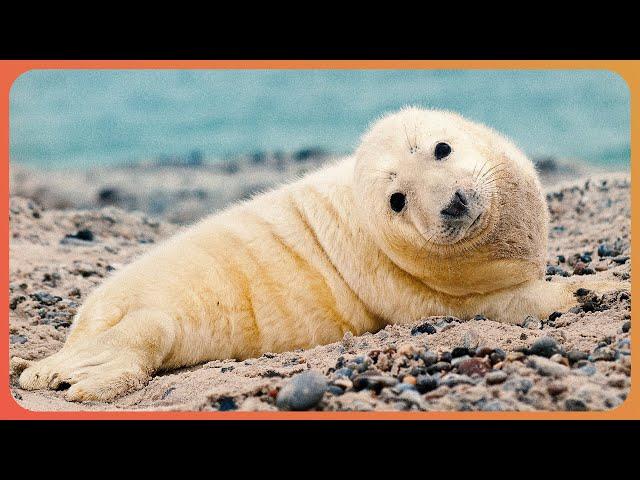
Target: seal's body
column 433, row 215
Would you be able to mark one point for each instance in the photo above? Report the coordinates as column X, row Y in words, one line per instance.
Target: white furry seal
column 433, row 215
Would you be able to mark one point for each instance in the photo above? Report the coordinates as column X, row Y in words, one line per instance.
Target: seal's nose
column 457, row 206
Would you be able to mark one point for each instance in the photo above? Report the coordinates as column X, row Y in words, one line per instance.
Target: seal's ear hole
column 397, row 201
column 442, row 150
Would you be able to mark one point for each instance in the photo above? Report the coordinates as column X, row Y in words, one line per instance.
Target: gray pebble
column 546, row 367
column 17, row 339
column 303, row 391
column 545, row 347
column 495, row 377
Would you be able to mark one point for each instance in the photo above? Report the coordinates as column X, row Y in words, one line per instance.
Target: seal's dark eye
column 397, row 201
column 442, row 150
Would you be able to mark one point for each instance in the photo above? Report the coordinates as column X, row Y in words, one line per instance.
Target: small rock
column 532, row 323
column 603, row 354
column 429, row 358
column 423, row 328
column 410, row 379
column 621, row 259
column 556, row 388
column 453, row 379
column 473, row 366
column 605, row 251
column 554, row 316
column 85, row 235
column 495, row 377
column 426, row 383
column 446, row 357
column 626, row 327
column 576, row 355
column 459, row 352
column 581, row 268
column 46, row 298
column 575, row 405
column 373, row 382
column 545, row 347
column 438, row 367
column 556, row 357
column 546, row 367
column 17, row 339
column 303, row 391
column 498, row 355
column 587, row 370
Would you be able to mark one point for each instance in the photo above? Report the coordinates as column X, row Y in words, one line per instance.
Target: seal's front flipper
column 541, row 298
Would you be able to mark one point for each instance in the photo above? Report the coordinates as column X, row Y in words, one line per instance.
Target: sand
column 58, row 255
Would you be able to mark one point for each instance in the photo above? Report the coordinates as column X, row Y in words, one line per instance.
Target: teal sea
column 83, row 118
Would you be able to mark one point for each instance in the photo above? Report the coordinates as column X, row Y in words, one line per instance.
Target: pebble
column 411, row 396
column 438, row 367
column 459, row 352
column 426, row 383
column 446, row 357
column 373, row 382
column 343, row 382
column 575, row 405
column 545, row 347
column 532, row 323
column 546, row 367
column 303, row 391
column 495, row 377
column 498, row 355
column 559, row 359
column 576, row 355
column 429, row 358
column 17, row 339
column 621, row 259
column 626, row 327
column 423, row 328
column 410, row 379
column 603, row 354
column 453, row 379
column 473, row 366
column 581, row 268
column 343, row 372
column 605, row 251
column 554, row 316
column 46, row 298
column 587, row 370
column 556, row 388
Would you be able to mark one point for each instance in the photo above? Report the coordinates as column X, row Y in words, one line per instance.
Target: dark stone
column 373, row 382
column 621, row 260
column 605, row 251
column 439, row 367
column 575, row 405
column 626, row 327
column 46, row 298
column 545, row 347
column 226, row 403
column 581, row 292
column 495, row 377
column 15, row 301
column 554, row 316
column 480, row 318
column 576, row 355
column 423, row 328
column 426, row 383
column 84, row 235
column 582, row 269
column 498, row 355
column 446, row 357
column 17, row 339
column 459, row 352
column 303, row 391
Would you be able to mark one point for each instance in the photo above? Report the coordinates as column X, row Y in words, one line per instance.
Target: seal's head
column 432, row 184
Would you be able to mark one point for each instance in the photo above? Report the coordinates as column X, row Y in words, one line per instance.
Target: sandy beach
column 70, row 230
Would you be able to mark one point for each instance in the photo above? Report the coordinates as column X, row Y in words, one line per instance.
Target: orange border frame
column 629, row 70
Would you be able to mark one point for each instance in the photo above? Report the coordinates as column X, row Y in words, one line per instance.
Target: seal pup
column 432, row 215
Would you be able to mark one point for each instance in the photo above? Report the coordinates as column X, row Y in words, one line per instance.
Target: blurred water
column 79, row 118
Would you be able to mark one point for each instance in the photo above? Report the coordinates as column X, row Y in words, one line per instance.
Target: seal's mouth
column 475, row 221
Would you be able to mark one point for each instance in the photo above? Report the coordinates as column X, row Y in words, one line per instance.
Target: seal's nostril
column 457, row 207
column 461, row 196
